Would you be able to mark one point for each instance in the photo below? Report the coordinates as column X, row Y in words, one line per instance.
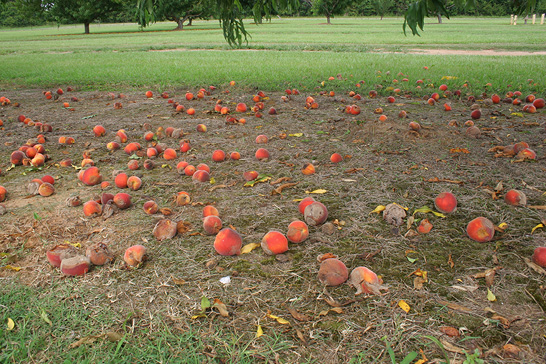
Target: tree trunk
column 190, row 22
column 328, row 18
column 439, row 18
column 86, row 27
column 381, row 17
column 180, row 23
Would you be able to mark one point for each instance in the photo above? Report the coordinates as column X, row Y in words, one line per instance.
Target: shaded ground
column 383, row 162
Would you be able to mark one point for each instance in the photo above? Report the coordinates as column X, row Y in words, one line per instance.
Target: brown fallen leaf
column 178, row 281
column 217, row 187
column 511, row 350
column 326, row 312
column 418, row 282
column 325, row 256
column 165, row 211
column 297, row 315
column 450, row 331
column 535, row 267
column 278, row 190
column 301, row 337
column 450, row 261
column 436, row 179
column 454, row 306
column 221, row 307
column 280, row 180
column 541, row 207
column 452, row 348
column 85, row 340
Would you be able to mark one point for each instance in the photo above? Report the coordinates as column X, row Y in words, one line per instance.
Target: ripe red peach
column 495, row 98
column 17, row 157
column 3, row 193
column 135, row 255
column 169, row 154
column 87, row 162
column 189, row 96
column 515, row 198
column 201, row 176
column 75, row 266
column 212, row 225
column 149, row 164
column 133, row 165
column 165, row 229
column 304, row 203
column 250, row 175
column 315, row 214
column 274, row 242
column 121, row 136
column 202, row 128
column 424, row 226
column 539, row 256
column 361, row 278
column 92, row 208
column 210, row 210
column 49, row 179
column 480, row 229
column 149, row 94
column 31, row 152
column 228, row 242
column 297, row 231
column 446, row 202
column 333, row 272
column 308, row 169
column 235, row 156
column 527, row 154
column 59, row 252
column 336, row 158
column 413, row 125
column 241, row 107
column 476, row 114
column 66, row 163
column 99, row 254
column 539, row 103
column 134, row 183
column 262, row 154
column 132, row 148
column 150, row 207
column 105, row 198
column 518, row 147
column 91, row 176
column 112, row 146
column 261, row 139
column 189, row 170
column 99, row 130
column 218, row 155
column 46, row 189
column 122, row 200
column 121, row 180
column 185, row 146
column 183, row 198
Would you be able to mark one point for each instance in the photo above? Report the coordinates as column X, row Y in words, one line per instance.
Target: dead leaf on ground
column 418, row 283
column 301, row 337
column 326, row 312
column 278, row 190
column 298, row 316
column 450, row 331
column 450, row 261
column 221, row 307
column 535, row 267
column 454, row 306
column 85, row 340
column 280, row 180
column 325, row 256
column 511, row 350
column 178, row 281
column 452, row 348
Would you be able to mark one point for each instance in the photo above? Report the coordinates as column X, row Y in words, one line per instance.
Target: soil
column 383, row 162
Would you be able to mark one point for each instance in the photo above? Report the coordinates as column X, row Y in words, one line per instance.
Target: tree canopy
column 81, row 11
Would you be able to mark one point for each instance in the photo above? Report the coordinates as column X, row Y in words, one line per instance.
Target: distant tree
column 82, row 11
column 179, row 11
column 382, row 7
column 17, row 13
column 329, row 8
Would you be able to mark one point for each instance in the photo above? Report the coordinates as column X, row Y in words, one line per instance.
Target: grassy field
column 121, row 55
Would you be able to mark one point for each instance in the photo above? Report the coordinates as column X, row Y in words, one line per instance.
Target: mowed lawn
column 287, row 52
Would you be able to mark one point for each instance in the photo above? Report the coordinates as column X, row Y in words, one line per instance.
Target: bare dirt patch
column 383, row 162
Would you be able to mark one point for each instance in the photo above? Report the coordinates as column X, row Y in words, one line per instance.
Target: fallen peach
column 250, row 175
column 135, row 255
column 262, row 154
column 132, row 148
column 315, row 214
column 539, row 103
column 212, row 225
column 105, row 197
column 241, row 107
column 3, row 193
column 169, row 154
column 480, row 229
column 336, row 158
column 515, row 198
column 113, row 146
column 92, row 208
column 539, row 256
column 189, row 170
column 218, row 155
column 228, row 242
column 297, row 232
column 59, row 252
column 261, row 139
column 150, row 207
column 413, row 125
column 121, row 180
column 362, row 278
column 308, row 169
column 99, row 254
column 49, row 179
column 210, row 210
column 183, row 198
column 99, row 130
column 201, row 176
column 75, row 266
column 185, row 146
column 46, row 189
column 332, row 272
column 133, row 165
column 476, row 114
column 122, row 200
column 274, row 242
column 527, row 153
column 165, row 229
column 235, row 156
column 304, row 203
column 17, row 157
column 91, row 176
column 121, row 136
column 202, row 128
column 424, row 226
column 446, row 202
column 149, row 164
column 134, row 183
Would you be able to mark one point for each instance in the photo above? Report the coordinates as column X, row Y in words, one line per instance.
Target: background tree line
column 21, row 13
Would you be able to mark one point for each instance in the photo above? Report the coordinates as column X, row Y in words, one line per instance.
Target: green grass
column 120, row 55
